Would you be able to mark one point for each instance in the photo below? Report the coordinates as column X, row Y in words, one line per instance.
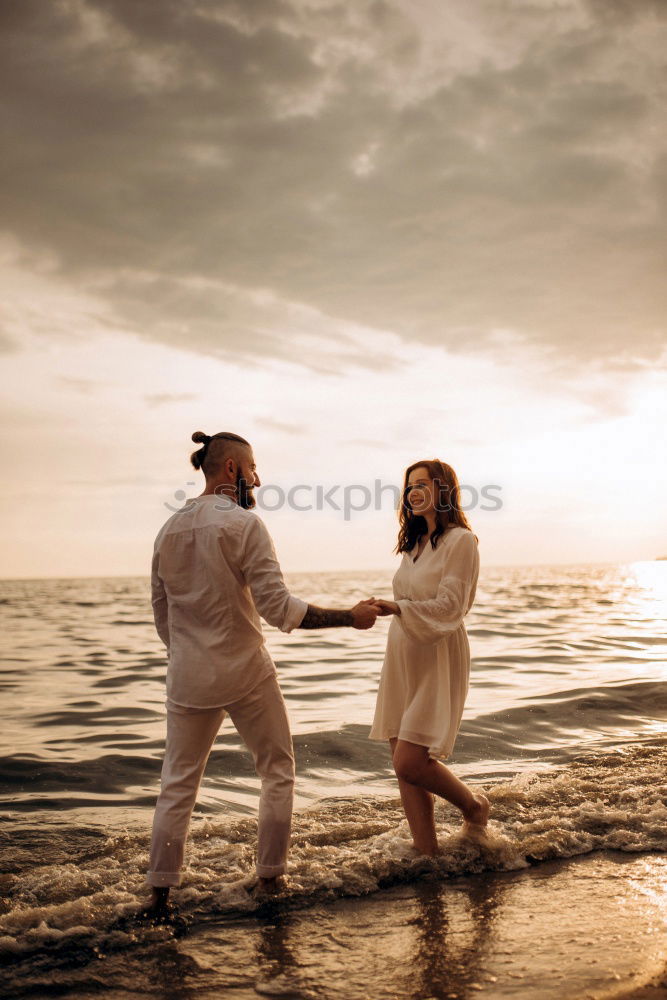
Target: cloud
column 162, row 398
column 85, row 386
column 7, row 344
column 234, row 322
column 371, row 443
column 280, row 425
column 227, row 176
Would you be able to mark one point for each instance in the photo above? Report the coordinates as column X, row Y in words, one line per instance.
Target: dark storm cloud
column 234, row 177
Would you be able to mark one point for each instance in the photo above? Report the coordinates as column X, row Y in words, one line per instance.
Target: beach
column 564, row 729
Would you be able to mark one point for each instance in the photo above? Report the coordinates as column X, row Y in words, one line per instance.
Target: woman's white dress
column 426, row 670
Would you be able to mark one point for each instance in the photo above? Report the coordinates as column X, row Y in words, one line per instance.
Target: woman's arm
column 431, row 620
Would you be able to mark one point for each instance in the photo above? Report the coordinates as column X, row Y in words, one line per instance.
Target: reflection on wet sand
column 171, row 973
column 452, row 928
column 428, row 940
column 560, row 930
column 555, row 931
column 277, row 959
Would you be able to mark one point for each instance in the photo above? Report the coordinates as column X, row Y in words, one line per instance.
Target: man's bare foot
column 478, row 813
column 159, row 909
column 271, row 886
column 264, row 887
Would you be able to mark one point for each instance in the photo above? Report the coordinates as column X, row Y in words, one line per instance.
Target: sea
column 565, row 729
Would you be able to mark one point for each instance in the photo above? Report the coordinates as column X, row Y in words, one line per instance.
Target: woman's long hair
column 448, row 506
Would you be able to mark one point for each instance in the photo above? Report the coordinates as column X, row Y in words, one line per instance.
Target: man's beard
column 244, row 494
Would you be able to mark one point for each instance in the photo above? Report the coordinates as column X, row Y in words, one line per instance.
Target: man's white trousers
column 261, row 721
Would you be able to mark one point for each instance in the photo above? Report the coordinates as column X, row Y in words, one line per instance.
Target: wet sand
column 653, row 988
column 589, row 928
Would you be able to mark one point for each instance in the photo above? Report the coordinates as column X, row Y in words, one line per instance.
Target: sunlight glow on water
column 651, row 577
column 564, row 658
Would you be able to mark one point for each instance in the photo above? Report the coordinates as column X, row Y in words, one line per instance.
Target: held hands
column 386, row 607
column 365, row 612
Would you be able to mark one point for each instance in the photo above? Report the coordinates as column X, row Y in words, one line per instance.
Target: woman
column 424, row 680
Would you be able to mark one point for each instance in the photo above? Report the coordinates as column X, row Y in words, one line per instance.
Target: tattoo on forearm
column 323, row 617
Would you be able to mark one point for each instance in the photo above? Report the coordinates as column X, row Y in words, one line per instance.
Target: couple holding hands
column 215, row 575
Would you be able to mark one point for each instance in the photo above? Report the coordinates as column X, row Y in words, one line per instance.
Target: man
column 214, row 572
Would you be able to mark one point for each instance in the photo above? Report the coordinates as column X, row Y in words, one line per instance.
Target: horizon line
column 373, row 569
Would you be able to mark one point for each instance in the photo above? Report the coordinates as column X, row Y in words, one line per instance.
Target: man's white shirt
column 214, row 572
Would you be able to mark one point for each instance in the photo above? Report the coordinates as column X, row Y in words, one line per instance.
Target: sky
column 358, row 233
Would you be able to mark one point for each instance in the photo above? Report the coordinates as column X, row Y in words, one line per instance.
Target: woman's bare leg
column 414, row 767
column 418, row 805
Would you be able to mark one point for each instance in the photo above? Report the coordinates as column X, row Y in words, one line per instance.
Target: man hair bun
column 198, row 457
column 201, row 457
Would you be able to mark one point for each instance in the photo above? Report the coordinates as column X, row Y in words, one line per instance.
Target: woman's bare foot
column 478, row 813
column 430, row 852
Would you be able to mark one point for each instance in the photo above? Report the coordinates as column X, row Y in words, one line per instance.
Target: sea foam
column 343, row 847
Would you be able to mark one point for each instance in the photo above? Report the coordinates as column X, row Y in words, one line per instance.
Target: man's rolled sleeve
column 159, row 602
column 296, row 612
column 262, row 573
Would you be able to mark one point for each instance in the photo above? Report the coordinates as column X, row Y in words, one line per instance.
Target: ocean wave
column 78, row 888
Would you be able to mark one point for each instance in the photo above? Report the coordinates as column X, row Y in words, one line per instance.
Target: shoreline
column 653, row 988
column 591, row 927
column 588, row 927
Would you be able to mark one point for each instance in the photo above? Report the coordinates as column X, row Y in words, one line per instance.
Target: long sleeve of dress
column 429, row 621
column 261, row 571
column 159, row 602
